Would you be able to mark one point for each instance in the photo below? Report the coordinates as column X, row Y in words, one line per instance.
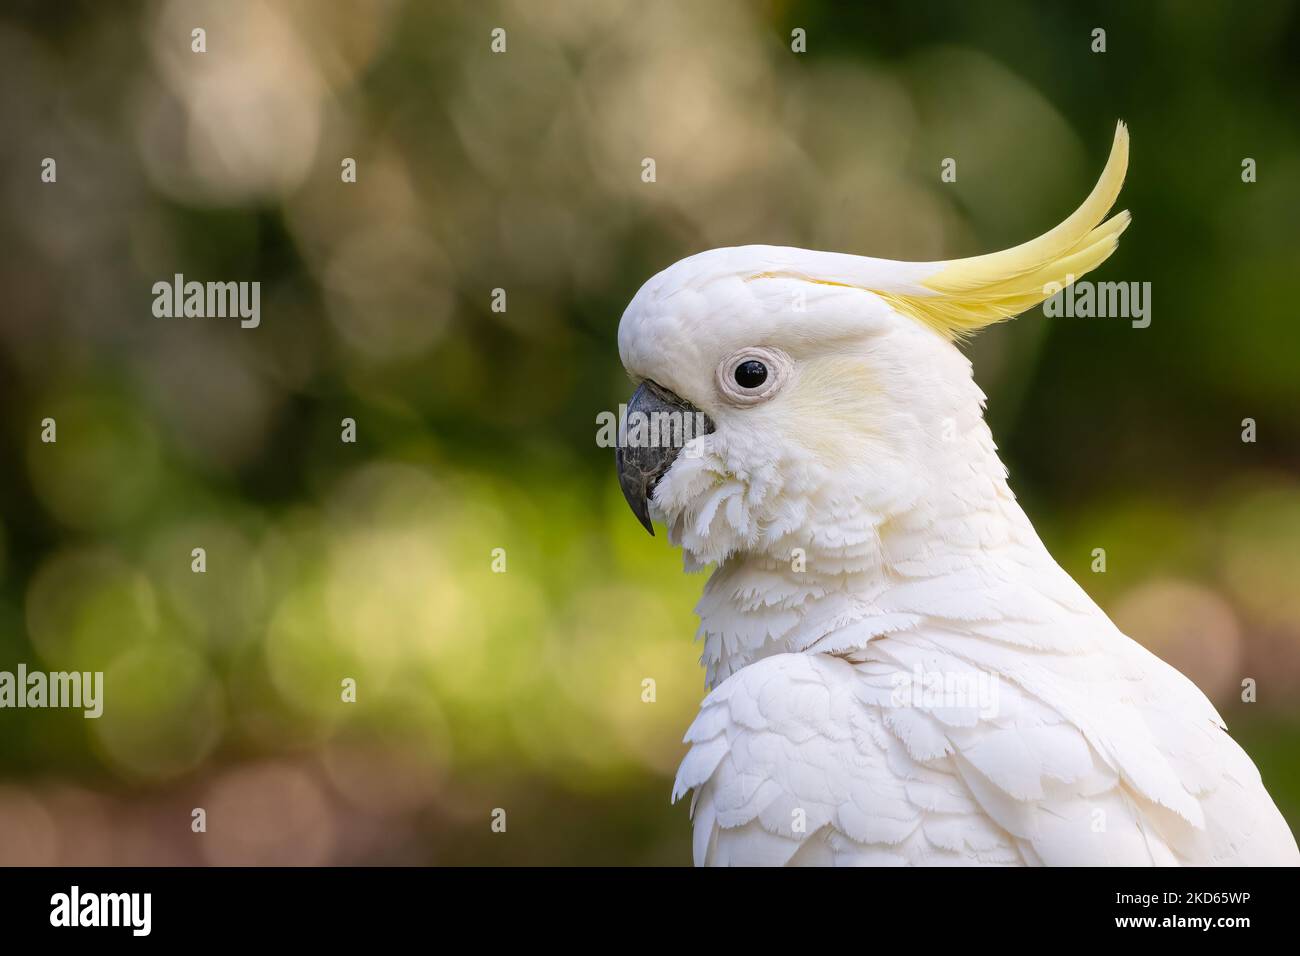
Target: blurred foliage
column 476, row 429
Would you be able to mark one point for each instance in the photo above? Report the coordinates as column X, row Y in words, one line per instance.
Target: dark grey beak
column 656, row 427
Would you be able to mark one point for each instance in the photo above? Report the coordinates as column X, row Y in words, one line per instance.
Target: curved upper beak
column 655, row 427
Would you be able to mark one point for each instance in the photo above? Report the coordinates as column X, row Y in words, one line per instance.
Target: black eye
column 751, row 374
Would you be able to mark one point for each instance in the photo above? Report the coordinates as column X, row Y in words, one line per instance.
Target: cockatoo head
column 832, row 396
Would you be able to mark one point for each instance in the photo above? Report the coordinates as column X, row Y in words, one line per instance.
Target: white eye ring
column 776, row 364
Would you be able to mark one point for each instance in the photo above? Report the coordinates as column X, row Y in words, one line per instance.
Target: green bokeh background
column 476, row 430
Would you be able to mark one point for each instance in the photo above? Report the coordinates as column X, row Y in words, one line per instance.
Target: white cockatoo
column 899, row 671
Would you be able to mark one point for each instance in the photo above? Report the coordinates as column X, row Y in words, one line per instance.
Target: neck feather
column 863, row 573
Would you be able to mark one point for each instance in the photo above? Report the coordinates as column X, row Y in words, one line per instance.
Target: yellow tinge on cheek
column 832, row 407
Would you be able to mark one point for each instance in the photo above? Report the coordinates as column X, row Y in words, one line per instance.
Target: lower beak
column 657, row 426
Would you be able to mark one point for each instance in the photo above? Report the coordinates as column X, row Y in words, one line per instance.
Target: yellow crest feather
column 972, row 293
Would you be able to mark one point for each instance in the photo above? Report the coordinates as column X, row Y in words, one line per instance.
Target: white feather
column 873, row 461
